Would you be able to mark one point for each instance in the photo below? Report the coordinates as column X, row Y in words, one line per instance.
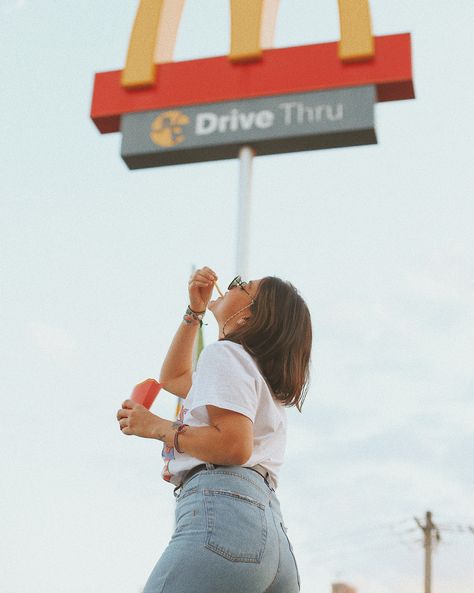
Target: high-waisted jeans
column 229, row 538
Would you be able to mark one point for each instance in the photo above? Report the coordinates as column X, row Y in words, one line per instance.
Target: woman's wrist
column 164, row 431
column 168, row 432
column 197, row 310
column 193, row 317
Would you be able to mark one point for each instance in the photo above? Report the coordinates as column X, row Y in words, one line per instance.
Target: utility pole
column 428, row 528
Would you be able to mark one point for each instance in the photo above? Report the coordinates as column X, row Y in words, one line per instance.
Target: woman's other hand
column 137, row 420
column 200, row 286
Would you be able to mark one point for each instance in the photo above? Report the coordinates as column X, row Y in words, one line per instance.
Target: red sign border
column 281, row 71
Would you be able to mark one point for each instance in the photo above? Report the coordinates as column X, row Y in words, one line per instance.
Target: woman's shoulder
column 230, row 352
column 225, row 348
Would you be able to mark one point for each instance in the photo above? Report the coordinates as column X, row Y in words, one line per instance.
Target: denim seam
column 283, row 527
column 224, row 473
column 279, row 556
column 232, row 494
column 187, row 493
column 222, row 552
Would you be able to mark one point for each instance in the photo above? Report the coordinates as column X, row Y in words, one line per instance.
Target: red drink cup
column 145, row 392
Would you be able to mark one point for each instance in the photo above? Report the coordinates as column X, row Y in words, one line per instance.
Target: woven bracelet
column 181, row 428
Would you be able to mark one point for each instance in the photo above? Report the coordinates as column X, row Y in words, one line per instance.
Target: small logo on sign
column 167, row 128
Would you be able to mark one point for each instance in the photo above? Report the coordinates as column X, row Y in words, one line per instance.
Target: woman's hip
column 228, row 536
column 229, row 508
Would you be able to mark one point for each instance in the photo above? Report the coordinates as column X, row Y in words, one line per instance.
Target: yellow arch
column 357, row 41
column 152, row 40
column 252, row 29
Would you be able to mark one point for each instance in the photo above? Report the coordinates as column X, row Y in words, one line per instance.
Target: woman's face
column 235, row 299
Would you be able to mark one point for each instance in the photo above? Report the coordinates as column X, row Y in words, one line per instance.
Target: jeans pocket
column 284, row 529
column 236, row 526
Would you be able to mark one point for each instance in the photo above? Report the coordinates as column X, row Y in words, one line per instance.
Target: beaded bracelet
column 191, row 316
column 181, row 428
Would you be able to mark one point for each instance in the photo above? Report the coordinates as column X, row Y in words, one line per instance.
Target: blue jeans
column 229, row 538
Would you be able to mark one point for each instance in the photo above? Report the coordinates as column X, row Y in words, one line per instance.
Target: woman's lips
column 215, row 300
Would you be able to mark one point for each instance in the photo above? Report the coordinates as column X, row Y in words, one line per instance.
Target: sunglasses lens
column 235, row 282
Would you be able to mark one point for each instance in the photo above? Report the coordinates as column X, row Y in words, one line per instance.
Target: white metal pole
column 246, row 155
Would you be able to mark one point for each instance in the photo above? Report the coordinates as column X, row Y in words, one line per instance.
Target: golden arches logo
column 252, row 27
column 167, row 128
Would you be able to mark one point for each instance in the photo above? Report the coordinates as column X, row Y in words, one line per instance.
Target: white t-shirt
column 228, row 377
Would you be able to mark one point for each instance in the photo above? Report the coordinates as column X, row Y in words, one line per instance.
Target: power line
column 368, row 531
column 375, row 542
column 456, row 528
column 376, row 538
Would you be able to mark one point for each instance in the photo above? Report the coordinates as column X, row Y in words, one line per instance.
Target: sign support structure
column 246, row 155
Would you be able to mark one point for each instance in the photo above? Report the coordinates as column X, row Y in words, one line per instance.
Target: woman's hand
column 138, row 420
column 200, row 286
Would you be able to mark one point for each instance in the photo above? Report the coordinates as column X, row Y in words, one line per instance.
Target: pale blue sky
column 94, row 262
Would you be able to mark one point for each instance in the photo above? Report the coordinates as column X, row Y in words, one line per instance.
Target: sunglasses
column 237, row 281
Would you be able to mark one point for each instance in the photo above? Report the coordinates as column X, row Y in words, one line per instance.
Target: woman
column 225, row 453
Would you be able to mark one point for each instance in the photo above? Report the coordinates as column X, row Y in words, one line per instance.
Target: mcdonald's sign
column 277, row 100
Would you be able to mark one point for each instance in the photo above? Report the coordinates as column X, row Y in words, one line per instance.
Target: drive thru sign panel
column 276, row 100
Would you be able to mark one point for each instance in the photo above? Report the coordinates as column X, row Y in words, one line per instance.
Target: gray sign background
column 271, row 125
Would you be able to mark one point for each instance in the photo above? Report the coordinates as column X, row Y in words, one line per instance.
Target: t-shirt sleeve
column 225, row 378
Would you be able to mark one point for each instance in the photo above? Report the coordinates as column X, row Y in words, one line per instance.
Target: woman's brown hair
column 278, row 336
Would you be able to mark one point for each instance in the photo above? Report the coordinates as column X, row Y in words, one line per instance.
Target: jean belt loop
column 269, row 481
column 210, row 466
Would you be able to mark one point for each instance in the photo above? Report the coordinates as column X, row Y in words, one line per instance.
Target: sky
column 94, row 263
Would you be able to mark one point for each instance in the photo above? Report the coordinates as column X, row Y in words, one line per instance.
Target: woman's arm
column 176, row 372
column 228, row 440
